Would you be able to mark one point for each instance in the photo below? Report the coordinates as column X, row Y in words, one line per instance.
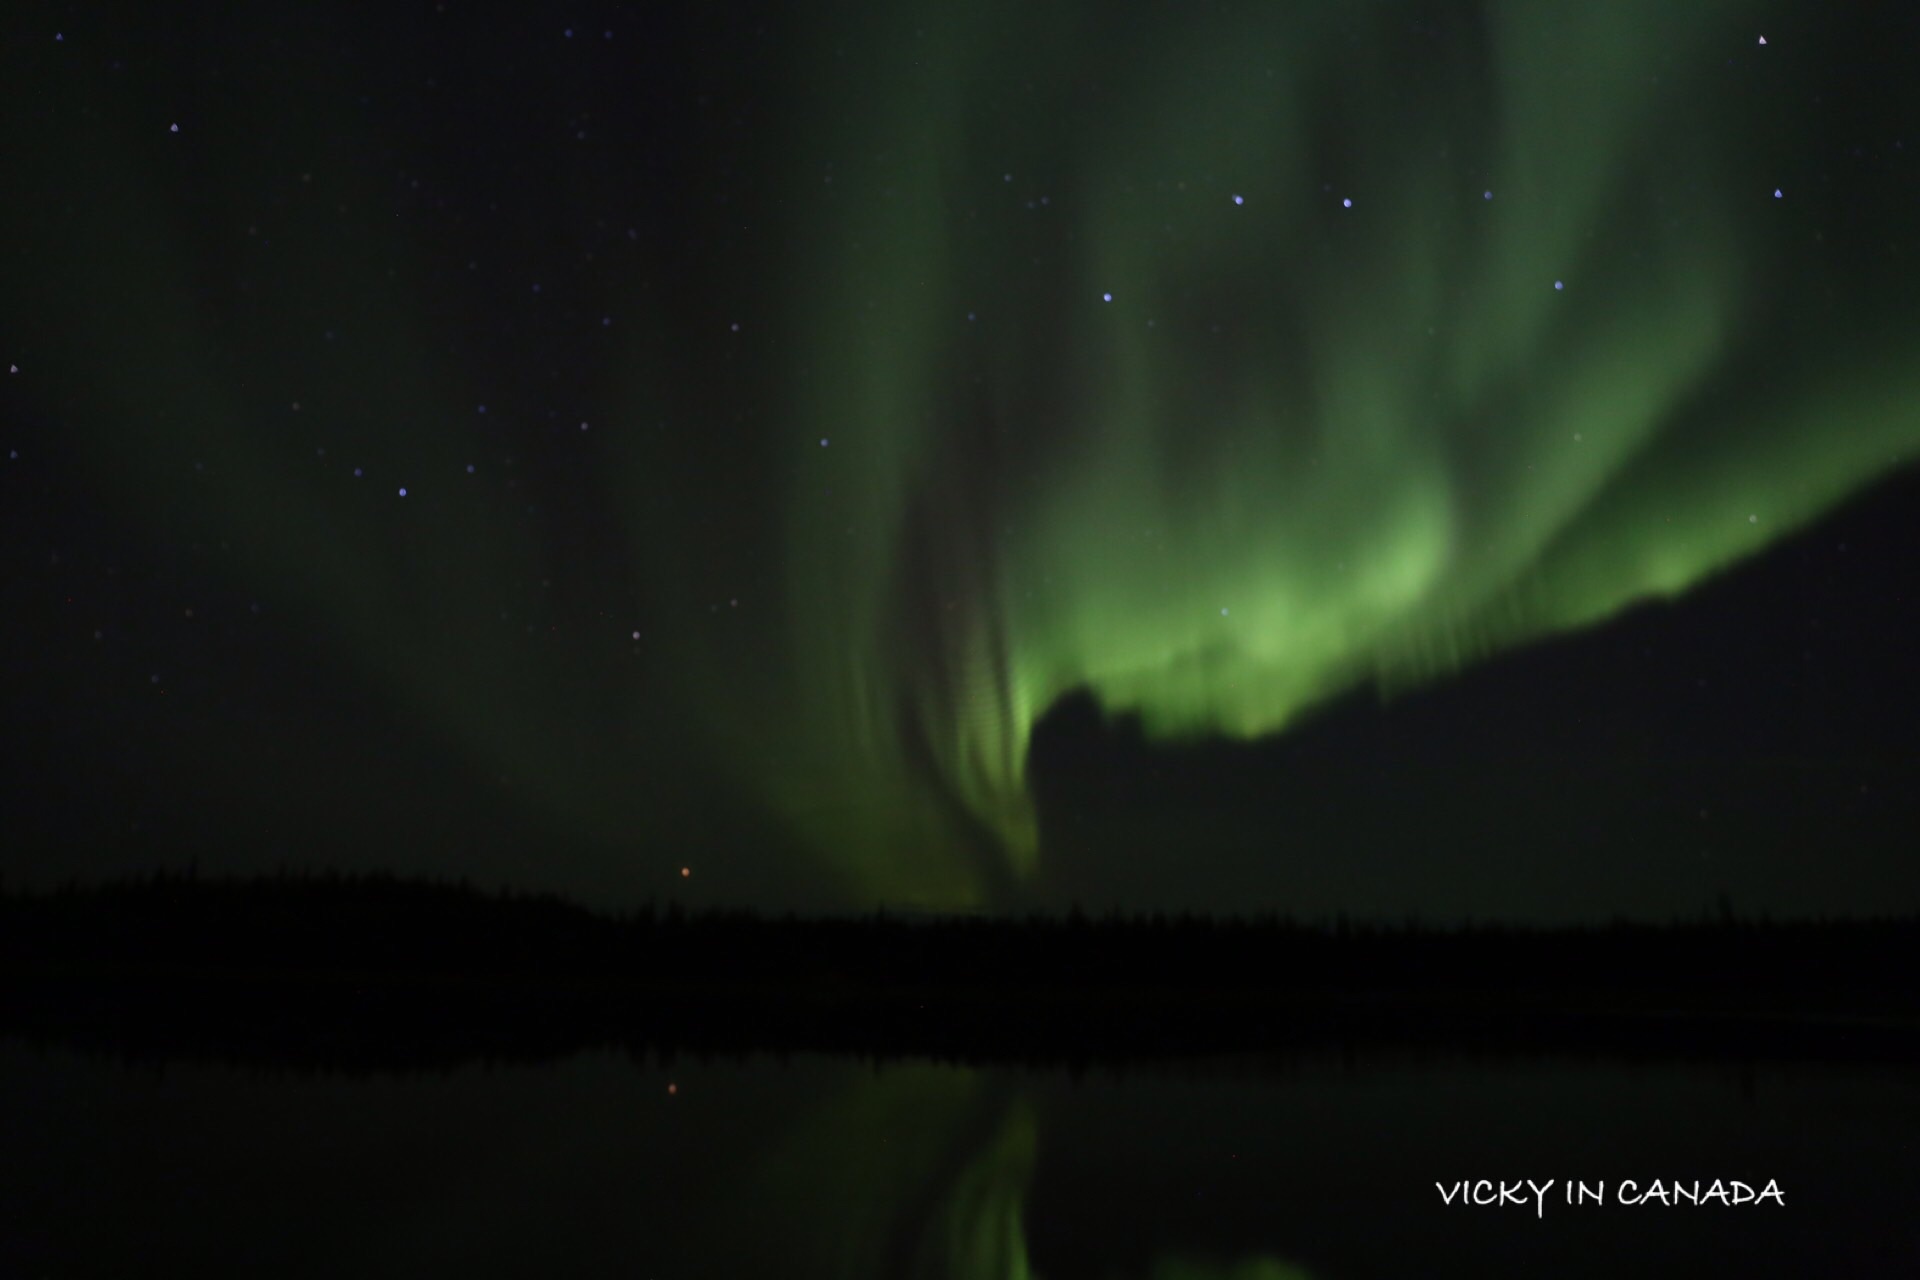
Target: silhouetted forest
column 374, row 971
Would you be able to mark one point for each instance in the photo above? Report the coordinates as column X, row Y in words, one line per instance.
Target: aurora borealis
column 723, row 447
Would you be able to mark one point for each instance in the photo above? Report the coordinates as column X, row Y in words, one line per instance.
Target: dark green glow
column 839, row 1180
column 1245, row 1269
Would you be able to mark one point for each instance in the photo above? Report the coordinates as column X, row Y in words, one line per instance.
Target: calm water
column 603, row 1166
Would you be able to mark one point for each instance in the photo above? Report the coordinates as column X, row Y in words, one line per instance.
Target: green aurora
column 1305, row 446
column 1425, row 340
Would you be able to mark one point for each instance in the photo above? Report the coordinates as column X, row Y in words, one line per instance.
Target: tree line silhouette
column 374, row 969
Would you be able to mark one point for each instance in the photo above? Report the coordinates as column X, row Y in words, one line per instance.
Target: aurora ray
column 1459, row 364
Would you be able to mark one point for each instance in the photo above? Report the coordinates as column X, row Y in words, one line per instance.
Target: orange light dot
column 685, row 872
column 673, row 1088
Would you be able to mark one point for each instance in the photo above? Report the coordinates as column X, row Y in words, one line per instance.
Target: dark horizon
column 373, row 973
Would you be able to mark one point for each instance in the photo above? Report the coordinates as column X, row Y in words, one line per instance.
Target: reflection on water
column 1236, row 1170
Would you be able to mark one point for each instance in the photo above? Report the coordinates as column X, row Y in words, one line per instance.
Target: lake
column 1315, row 1164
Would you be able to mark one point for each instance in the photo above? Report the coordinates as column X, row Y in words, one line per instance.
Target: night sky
column 1437, row 458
